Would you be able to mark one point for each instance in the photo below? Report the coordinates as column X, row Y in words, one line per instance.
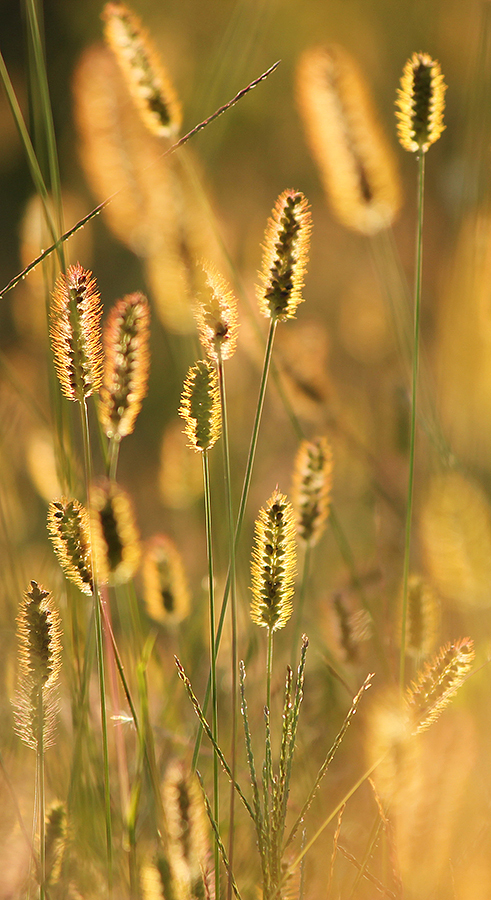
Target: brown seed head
column 76, row 334
column 216, row 315
column 144, row 73
column 126, row 365
column 273, row 563
column 420, row 102
column 356, row 163
column 285, row 256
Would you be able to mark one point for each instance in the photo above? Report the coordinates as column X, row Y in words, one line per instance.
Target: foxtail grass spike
column 115, row 535
column 356, row 163
column 39, row 634
column 422, row 617
column 69, row 530
column 143, row 71
column 420, row 102
column 126, row 366
column 311, row 492
column 56, row 840
column 166, row 590
column 200, row 406
column 187, row 826
column 273, row 564
column 76, row 333
column 438, row 682
column 285, row 257
column 216, row 316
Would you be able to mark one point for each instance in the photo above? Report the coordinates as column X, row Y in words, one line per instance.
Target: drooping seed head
column 312, row 480
column 420, row 102
column 143, row 71
column 39, row 635
column 422, row 617
column 76, row 333
column 115, row 535
column 69, row 530
column 216, row 316
column 126, row 365
column 200, row 406
column 438, row 682
column 166, row 590
column 285, row 257
column 355, row 161
column 273, row 563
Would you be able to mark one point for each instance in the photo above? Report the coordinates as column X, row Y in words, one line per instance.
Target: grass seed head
column 312, row 479
column 39, row 634
column 76, row 333
column 420, row 102
column 126, row 366
column 285, row 256
column 355, row 161
column 115, row 535
column 273, row 563
column 422, row 617
column 216, row 315
column 166, row 590
column 143, row 71
column 200, row 406
column 69, row 530
column 438, row 682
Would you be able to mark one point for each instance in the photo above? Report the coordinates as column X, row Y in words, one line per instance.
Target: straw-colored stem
column 299, row 604
column 41, row 795
column 214, row 696
column 242, row 506
column 100, row 652
column 414, row 387
column 235, row 656
column 112, row 459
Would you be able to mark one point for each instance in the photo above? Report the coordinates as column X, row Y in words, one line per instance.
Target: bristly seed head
column 438, row 682
column 76, row 333
column 142, row 69
column 39, row 633
column 422, row 617
column 312, row 479
column 126, row 366
column 69, row 530
column 200, row 406
column 115, row 535
column 273, row 563
column 216, row 316
column 420, row 102
column 286, row 246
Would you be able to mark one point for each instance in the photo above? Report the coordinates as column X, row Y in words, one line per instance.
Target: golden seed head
column 438, row 682
column 55, row 838
column 39, row 634
column 216, row 316
column 312, row 481
column 285, row 257
column 76, row 333
column 356, row 163
column 166, row 590
column 420, row 102
column 142, row 69
column 422, row 617
column 126, row 365
column 273, row 563
column 69, row 530
column 115, row 535
column 200, row 406
column 187, row 824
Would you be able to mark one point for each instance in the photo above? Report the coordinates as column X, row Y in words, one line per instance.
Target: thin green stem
column 112, row 460
column 242, row 506
column 214, row 692
column 41, row 795
column 269, row 668
column 301, row 599
column 414, row 387
column 235, row 655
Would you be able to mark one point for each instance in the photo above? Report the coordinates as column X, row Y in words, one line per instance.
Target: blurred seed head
column 216, row 316
column 115, row 536
column 311, row 493
column 166, row 590
column 355, row 161
column 437, row 683
column 181, row 472
column 422, row 617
